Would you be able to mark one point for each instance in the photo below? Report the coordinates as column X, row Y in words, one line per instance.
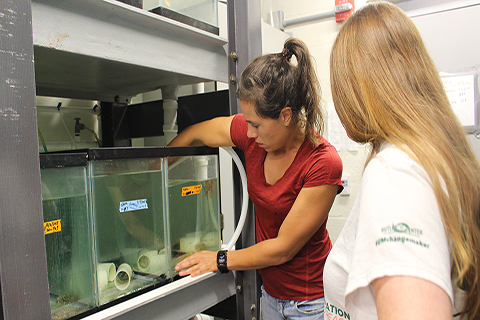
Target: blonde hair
column 386, row 87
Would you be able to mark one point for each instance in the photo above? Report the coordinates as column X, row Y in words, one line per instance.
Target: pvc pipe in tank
column 109, row 268
column 123, row 276
column 243, row 214
column 102, row 279
column 152, row 261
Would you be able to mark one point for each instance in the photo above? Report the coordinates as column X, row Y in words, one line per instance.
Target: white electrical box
column 346, row 185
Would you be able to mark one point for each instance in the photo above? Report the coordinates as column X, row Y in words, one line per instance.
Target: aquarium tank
column 193, row 203
column 68, row 234
column 127, row 197
column 118, row 220
column 202, row 10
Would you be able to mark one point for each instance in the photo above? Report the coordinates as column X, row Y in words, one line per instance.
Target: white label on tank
column 133, row 205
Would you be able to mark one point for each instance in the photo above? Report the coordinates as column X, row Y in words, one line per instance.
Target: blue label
column 133, row 205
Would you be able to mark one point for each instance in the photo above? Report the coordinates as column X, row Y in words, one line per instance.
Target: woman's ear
column 286, row 115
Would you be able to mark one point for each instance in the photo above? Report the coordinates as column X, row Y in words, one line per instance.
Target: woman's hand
column 197, row 264
column 307, row 215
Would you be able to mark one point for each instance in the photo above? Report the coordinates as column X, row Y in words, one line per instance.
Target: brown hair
column 273, row 82
column 386, row 87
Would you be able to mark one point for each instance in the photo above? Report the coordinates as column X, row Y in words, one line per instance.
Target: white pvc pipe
column 198, row 88
column 123, row 276
column 243, row 214
column 152, row 261
column 317, row 16
column 170, row 107
column 109, row 268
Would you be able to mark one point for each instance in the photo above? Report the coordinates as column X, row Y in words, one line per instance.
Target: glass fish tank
column 151, row 208
column 203, row 10
column 202, row 13
column 118, row 220
column 68, row 234
column 193, row 203
column 127, row 192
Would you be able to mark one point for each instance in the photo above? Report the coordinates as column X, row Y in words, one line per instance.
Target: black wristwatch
column 222, row 261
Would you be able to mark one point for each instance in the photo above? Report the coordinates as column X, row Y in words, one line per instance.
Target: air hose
column 243, row 214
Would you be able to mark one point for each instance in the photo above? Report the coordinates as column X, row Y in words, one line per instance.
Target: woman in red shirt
column 293, row 176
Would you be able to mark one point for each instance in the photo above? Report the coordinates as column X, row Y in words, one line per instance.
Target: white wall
column 458, row 47
column 319, row 36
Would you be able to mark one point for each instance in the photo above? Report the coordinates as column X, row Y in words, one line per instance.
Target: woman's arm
column 307, row 214
column 212, row 133
column 404, row 297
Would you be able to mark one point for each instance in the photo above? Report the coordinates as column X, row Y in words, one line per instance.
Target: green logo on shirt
column 402, row 228
column 401, row 232
column 334, row 313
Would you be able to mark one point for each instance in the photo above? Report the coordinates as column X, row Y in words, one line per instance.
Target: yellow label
column 187, row 191
column 52, row 226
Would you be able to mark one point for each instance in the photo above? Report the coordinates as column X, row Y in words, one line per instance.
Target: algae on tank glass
column 193, row 206
column 67, row 235
column 128, row 209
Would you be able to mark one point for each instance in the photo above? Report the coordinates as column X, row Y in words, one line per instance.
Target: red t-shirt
column 302, row 277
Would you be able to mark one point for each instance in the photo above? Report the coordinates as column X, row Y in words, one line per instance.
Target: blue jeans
column 276, row 309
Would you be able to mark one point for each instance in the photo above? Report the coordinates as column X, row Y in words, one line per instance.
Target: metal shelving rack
column 101, row 50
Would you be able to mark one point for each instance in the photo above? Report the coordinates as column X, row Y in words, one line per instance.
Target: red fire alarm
column 343, row 9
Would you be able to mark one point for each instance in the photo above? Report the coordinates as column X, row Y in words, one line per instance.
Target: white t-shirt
column 395, row 228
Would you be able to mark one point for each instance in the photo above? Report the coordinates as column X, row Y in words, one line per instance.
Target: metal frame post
column 244, row 44
column 23, row 263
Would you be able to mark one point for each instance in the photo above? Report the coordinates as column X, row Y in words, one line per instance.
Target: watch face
column 221, row 259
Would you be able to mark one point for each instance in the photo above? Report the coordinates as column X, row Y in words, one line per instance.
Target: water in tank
column 118, row 220
column 68, row 234
column 201, row 10
column 128, row 209
column 193, row 205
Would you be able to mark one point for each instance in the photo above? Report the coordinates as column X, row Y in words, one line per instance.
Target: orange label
column 187, row 191
column 52, row 226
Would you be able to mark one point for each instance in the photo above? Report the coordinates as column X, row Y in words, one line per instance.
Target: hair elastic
column 287, row 54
